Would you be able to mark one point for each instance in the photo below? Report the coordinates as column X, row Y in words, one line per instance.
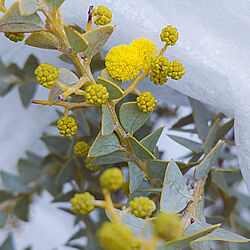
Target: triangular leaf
column 13, row 21
column 139, row 150
column 54, row 4
column 42, row 40
column 67, row 77
column 104, row 144
column 107, row 122
column 175, row 195
column 151, row 140
column 96, row 39
column 28, row 7
column 77, row 42
column 208, row 162
column 136, row 176
column 114, row 91
column 115, row 157
column 132, row 118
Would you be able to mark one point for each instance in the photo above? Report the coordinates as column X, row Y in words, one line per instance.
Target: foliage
column 120, row 135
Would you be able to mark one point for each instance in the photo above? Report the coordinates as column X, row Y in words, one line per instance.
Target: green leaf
column 77, row 42
column 218, row 234
column 43, row 40
column 30, row 65
column 140, row 150
column 151, row 140
column 224, row 129
column 184, row 121
column 3, row 218
column 26, row 92
column 201, row 117
column 28, row 7
column 8, row 244
column 28, row 171
column 67, row 77
column 82, row 122
column 12, row 182
column 104, row 144
column 4, row 195
column 114, row 91
column 97, row 63
column 202, row 245
column 105, row 74
column 187, row 238
column 66, row 173
column 13, row 21
column 131, row 117
column 175, row 195
column 96, row 39
column 192, row 145
column 208, row 162
column 219, row 180
column 56, row 144
column 21, row 209
column 136, row 177
column 64, row 197
column 54, row 4
column 54, row 94
column 65, row 58
column 107, row 122
column 115, row 157
column 211, row 137
column 49, row 183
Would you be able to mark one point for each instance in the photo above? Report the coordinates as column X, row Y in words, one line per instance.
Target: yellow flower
column 123, row 62
column 146, row 50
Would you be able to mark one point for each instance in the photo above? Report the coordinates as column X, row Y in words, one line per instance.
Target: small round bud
column 117, row 236
column 112, row 179
column 81, row 149
column 176, row 70
column 89, row 166
column 67, row 126
column 142, row 206
column 15, row 37
column 46, row 75
column 104, row 15
column 82, row 203
column 96, row 94
column 159, row 70
column 169, row 35
column 167, row 226
column 146, row 102
column 125, row 188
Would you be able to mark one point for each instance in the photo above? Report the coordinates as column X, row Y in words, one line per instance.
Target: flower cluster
column 46, row 75
column 169, row 35
column 146, row 102
column 81, row 149
column 15, row 37
column 176, row 70
column 142, row 206
column 112, row 179
column 67, row 126
column 103, row 14
column 159, row 70
column 82, row 203
column 96, row 94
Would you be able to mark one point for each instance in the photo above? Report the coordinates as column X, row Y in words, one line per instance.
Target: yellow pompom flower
column 169, row 35
column 67, row 126
column 96, row 94
column 103, row 14
column 15, row 37
column 176, row 70
column 82, row 203
column 167, row 226
column 117, row 236
column 146, row 50
column 81, row 149
column 142, row 206
column 146, row 102
column 46, row 75
column 123, row 62
column 112, row 179
column 159, row 70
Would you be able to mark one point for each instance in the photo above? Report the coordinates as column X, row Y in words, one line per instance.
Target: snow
column 213, row 46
